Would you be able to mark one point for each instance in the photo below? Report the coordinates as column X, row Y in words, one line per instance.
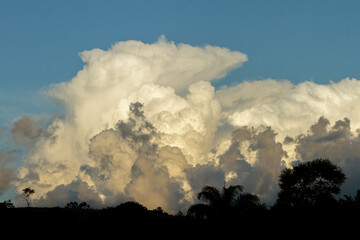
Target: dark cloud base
column 323, row 140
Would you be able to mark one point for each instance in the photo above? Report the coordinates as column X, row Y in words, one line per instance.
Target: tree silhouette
column 28, row 192
column 75, row 205
column 312, row 183
column 222, row 204
column 6, row 204
column 352, row 203
column 247, row 203
column 131, row 210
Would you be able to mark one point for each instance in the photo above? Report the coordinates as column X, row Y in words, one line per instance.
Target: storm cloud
column 143, row 122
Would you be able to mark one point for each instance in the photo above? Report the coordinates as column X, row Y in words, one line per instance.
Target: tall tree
column 310, row 183
column 28, row 192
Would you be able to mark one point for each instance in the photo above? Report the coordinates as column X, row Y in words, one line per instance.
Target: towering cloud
column 116, row 150
column 142, row 122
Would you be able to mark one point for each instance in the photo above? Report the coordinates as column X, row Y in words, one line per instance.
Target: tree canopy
column 310, row 183
column 224, row 203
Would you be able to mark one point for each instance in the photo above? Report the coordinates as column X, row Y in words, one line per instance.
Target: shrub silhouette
column 6, row 204
column 75, row 205
column 351, row 203
column 131, row 210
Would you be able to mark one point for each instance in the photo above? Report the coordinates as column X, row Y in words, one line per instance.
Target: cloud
column 254, row 160
column 127, row 162
column 114, row 152
column 153, row 186
column 76, row 191
column 310, row 120
column 7, row 173
column 206, row 174
column 162, row 63
column 27, row 130
column 337, row 143
column 171, row 81
column 143, row 122
column 290, row 109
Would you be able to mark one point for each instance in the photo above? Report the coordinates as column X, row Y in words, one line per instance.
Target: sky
column 294, row 40
column 233, row 90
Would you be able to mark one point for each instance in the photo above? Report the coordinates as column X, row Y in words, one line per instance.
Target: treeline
column 308, row 198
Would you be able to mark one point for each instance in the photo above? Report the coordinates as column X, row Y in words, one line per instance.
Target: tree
column 352, row 203
column 312, row 183
column 28, row 192
column 6, row 204
column 248, row 203
column 226, row 203
column 200, row 211
column 75, row 205
column 131, row 210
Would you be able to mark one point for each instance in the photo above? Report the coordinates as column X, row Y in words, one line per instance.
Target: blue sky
column 295, row 40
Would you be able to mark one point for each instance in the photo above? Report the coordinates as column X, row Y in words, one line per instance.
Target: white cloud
column 290, row 109
column 179, row 133
column 172, row 81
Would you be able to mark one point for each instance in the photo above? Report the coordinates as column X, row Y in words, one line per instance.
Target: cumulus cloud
column 290, row 109
column 101, row 141
column 254, row 160
column 153, row 186
column 143, row 122
column 77, row 191
column 337, row 143
column 205, row 174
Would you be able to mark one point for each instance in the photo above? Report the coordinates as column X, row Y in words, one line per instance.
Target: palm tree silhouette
column 226, row 203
